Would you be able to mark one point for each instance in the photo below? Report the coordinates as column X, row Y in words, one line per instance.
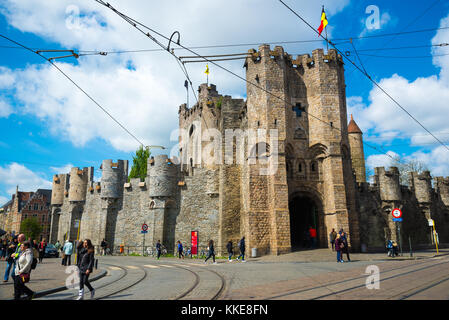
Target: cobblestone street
column 299, row 275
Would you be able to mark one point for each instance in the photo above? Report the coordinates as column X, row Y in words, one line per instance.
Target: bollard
column 410, row 244
column 253, row 252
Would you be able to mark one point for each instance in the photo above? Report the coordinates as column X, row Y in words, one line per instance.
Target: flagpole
column 327, row 43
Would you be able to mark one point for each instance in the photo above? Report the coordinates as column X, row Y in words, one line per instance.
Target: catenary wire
column 134, row 23
column 368, row 76
column 76, row 85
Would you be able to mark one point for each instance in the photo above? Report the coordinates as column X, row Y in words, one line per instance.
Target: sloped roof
column 353, row 127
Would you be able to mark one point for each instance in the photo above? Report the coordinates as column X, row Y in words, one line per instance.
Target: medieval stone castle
column 319, row 177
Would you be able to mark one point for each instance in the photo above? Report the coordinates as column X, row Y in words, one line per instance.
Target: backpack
column 34, row 264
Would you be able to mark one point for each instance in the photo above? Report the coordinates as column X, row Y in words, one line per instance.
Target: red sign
column 397, row 213
column 144, row 227
column 194, row 238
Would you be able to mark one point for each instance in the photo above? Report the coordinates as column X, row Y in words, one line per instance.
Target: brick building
column 24, row 205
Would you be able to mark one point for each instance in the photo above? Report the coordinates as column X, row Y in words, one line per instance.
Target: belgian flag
column 323, row 21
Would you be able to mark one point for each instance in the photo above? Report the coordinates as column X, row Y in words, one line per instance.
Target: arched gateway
column 306, row 210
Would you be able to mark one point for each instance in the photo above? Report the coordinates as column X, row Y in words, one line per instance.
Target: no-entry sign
column 396, row 213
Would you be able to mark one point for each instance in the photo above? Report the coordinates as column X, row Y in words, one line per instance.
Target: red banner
column 194, row 237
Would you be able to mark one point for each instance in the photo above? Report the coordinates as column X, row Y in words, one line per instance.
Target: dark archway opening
column 303, row 215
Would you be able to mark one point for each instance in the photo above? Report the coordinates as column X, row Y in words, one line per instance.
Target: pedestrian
column 10, row 260
column 22, row 272
column 229, row 248
column 339, row 247
column 346, row 245
column 20, row 240
column 42, row 246
column 158, row 249
column 211, row 252
column 332, row 237
column 103, row 246
column 180, row 253
column 390, row 249
column 241, row 246
column 58, row 245
column 68, row 250
column 312, row 232
column 85, row 265
column 3, row 247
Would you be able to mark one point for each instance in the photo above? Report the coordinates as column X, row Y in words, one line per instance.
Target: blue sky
column 48, row 125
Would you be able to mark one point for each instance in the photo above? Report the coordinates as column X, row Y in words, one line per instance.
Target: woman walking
column 9, row 259
column 211, row 252
column 42, row 246
column 85, row 264
column 22, row 272
column 339, row 245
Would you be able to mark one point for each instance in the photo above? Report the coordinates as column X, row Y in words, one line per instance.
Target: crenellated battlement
column 113, row 176
column 442, row 189
column 421, row 185
column 388, row 183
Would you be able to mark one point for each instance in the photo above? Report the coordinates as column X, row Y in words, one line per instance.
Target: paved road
column 146, row 278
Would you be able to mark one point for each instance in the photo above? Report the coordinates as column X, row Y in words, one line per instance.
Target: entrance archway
column 304, row 213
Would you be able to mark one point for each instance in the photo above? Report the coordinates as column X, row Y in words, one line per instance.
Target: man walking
column 180, row 253
column 241, row 245
column 68, row 250
column 103, row 246
column 158, row 249
column 332, row 237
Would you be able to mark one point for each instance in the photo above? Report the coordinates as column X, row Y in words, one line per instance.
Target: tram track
column 327, row 285
column 197, row 281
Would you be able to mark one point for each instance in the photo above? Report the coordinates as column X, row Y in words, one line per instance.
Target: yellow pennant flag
column 207, row 70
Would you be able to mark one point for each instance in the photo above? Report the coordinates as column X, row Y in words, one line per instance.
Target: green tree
column 31, row 228
column 139, row 167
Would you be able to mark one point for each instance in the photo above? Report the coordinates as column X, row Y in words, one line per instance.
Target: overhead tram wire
column 368, row 76
column 96, row 52
column 76, row 85
column 408, row 25
column 135, row 23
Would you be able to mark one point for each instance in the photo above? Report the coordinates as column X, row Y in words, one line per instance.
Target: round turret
column 57, row 190
column 111, row 179
column 357, row 153
column 443, row 189
column 78, row 184
column 423, row 186
column 163, row 175
column 388, row 182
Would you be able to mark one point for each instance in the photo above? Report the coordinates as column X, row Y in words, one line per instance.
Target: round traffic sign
column 397, row 213
column 144, row 227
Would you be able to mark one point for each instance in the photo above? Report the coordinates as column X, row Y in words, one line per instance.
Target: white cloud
column 62, row 170
column 425, row 98
column 380, row 160
column 146, row 98
column 5, row 109
column 15, row 174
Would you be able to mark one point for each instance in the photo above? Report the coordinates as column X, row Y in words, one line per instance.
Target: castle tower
column 59, row 189
column 421, row 185
column 265, row 216
column 327, row 121
column 114, row 175
column 390, row 195
column 162, row 175
column 357, row 154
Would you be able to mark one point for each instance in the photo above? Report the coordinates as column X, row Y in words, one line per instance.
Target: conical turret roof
column 353, row 127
